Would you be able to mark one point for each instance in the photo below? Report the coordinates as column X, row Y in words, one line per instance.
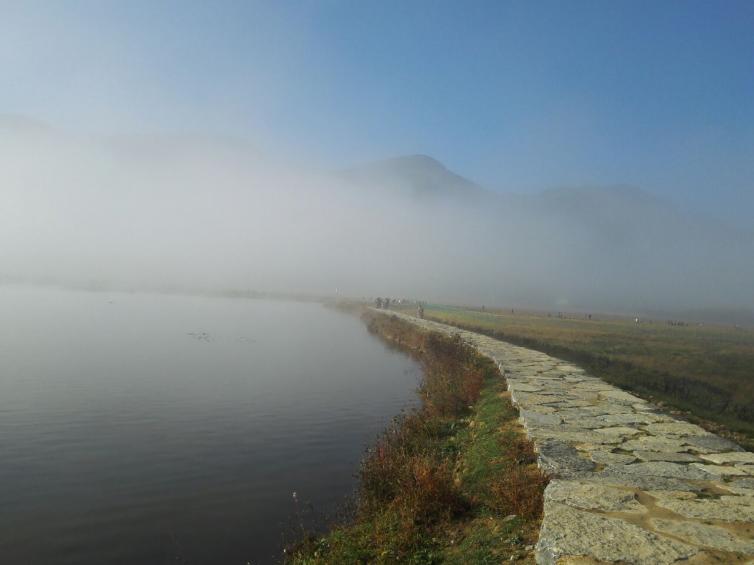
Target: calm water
column 148, row 429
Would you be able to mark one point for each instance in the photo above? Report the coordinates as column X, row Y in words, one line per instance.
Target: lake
column 146, row 428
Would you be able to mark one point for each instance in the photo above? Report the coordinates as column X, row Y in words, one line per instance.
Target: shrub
column 519, row 490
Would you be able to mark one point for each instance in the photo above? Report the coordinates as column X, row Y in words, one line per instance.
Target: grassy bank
column 454, row 481
column 706, row 372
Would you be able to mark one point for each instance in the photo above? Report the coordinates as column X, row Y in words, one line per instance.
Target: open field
column 705, row 371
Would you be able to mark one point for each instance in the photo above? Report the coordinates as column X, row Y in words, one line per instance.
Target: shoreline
column 454, row 481
column 628, row 481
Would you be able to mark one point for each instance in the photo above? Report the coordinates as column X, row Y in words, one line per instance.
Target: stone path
column 629, row 483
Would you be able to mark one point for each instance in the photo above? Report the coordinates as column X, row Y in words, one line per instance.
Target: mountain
column 604, row 247
column 19, row 125
column 418, row 176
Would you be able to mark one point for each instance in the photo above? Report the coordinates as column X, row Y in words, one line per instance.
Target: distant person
column 420, row 311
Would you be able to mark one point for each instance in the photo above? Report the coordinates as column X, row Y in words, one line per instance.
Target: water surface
column 139, row 428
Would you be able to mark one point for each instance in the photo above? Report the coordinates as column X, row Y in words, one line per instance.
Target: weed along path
column 629, row 483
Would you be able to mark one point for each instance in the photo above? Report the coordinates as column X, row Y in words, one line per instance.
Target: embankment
column 454, row 481
column 630, row 484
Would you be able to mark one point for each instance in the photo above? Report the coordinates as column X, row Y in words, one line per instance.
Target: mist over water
column 208, row 213
column 152, row 429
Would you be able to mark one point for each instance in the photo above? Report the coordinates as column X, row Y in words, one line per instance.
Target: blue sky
column 518, row 96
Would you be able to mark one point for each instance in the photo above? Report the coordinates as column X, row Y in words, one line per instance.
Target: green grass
column 705, row 371
column 439, row 484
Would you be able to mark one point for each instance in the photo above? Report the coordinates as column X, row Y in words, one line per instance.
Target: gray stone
column 743, row 482
column 612, row 475
column 664, row 469
column 618, row 431
column 570, row 533
column 609, row 458
column 569, row 436
column 526, row 388
column 620, row 396
column 531, row 418
column 558, row 459
column 708, row 509
column 682, row 495
column 528, row 399
column 719, row 470
column 734, row 488
column 713, row 537
column 651, row 443
column 660, row 456
column 571, row 403
column 711, row 443
column 675, row 428
column 590, row 496
column 738, row 499
column 729, row 457
column 587, row 423
column 630, row 418
column 542, row 409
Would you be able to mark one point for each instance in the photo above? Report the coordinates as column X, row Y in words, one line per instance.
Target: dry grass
column 705, row 372
column 437, row 486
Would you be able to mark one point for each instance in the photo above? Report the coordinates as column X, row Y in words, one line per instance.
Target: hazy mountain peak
column 421, row 175
column 417, row 161
column 16, row 123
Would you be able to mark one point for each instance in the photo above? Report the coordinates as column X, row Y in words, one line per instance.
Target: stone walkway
column 629, row 483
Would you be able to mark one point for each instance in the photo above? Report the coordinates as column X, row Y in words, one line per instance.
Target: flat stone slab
column 527, row 388
column 668, row 456
column 720, row 470
column 620, row 396
column 538, row 419
column 571, row 533
column 676, row 428
column 618, row 431
column 558, row 459
column 655, row 443
column 610, row 458
column 629, row 484
column 711, row 444
column 665, row 469
column 730, row 457
column 709, row 509
column 713, row 537
column 593, row 496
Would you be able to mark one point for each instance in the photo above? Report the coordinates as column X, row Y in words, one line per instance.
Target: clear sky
column 518, row 96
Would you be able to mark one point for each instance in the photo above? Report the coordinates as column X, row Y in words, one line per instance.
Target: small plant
column 519, row 490
column 434, row 487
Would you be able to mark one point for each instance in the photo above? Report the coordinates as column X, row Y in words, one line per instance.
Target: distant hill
column 418, row 176
column 12, row 123
column 596, row 246
column 124, row 207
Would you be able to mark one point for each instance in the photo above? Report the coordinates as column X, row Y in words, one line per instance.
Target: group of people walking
column 384, row 304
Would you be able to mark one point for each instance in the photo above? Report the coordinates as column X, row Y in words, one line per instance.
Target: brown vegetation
column 441, row 480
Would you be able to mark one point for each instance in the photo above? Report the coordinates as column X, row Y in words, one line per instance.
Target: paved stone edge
column 629, row 483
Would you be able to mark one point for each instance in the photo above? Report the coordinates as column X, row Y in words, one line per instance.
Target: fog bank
column 218, row 214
